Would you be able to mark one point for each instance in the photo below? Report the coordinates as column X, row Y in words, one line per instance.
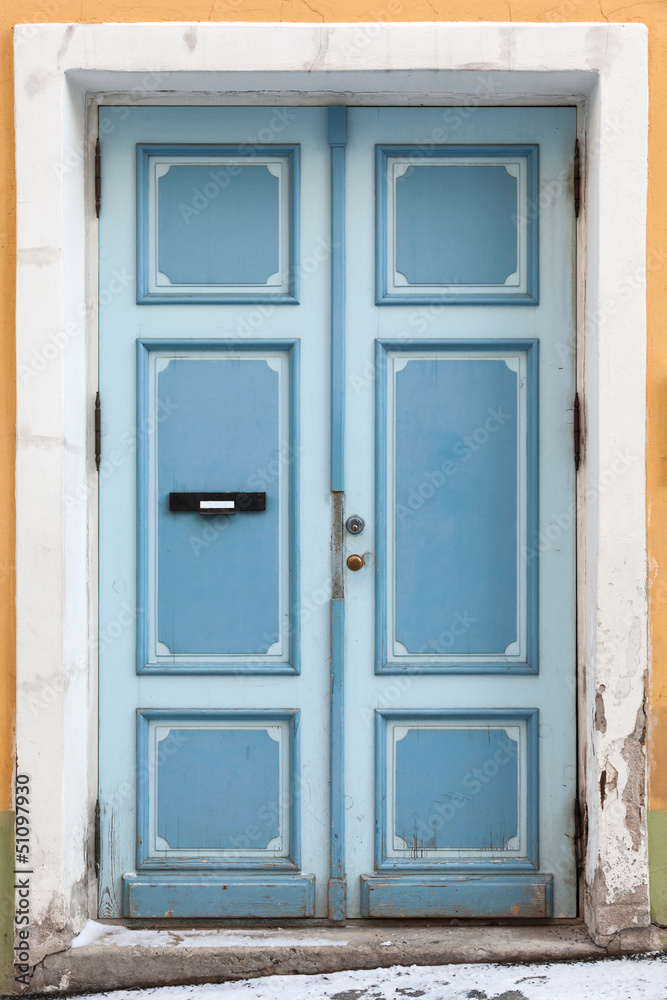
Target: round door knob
column 354, row 562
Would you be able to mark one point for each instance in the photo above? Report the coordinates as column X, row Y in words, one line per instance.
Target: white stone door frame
column 61, row 73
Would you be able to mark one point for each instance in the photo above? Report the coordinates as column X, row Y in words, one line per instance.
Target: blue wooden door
column 262, row 753
column 461, row 753
column 213, row 678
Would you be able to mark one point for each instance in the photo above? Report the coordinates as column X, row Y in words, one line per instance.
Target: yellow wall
column 652, row 13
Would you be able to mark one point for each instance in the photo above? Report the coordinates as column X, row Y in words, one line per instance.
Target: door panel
column 214, row 383
column 218, row 223
column 456, row 494
column 440, row 262
column 219, row 589
column 463, row 737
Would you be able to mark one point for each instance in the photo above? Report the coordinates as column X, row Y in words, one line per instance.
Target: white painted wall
column 601, row 67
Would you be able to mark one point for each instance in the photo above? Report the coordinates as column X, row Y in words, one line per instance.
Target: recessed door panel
column 457, row 499
column 218, row 581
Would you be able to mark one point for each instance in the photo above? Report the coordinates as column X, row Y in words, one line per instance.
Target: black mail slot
column 216, row 503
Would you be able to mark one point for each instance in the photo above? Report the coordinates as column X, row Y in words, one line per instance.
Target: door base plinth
column 235, row 896
column 407, row 896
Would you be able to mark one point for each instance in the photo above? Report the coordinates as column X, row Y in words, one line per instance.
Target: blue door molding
column 430, row 662
column 147, row 662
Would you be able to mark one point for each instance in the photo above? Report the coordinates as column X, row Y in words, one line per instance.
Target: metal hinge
column 577, row 431
column 98, row 431
column 98, row 839
column 98, row 179
column 577, row 179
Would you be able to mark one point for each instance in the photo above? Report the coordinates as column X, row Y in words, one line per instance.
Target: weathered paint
column 462, row 896
column 219, row 896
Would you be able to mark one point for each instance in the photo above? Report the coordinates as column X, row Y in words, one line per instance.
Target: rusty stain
column 337, row 546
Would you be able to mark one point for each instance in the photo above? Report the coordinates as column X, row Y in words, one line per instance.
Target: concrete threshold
column 111, row 956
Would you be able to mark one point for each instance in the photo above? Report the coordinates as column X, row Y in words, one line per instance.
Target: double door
column 337, row 592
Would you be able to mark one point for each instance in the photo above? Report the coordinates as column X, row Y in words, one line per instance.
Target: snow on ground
column 116, row 935
column 642, row 978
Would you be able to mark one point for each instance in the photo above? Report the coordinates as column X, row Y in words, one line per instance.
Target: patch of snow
column 91, row 932
column 644, row 978
column 124, row 937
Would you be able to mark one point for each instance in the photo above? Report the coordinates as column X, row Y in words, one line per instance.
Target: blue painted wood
column 456, row 507
column 456, row 225
column 337, row 888
column 456, row 788
column 222, row 423
column 459, row 780
column 121, row 690
column 199, row 895
column 337, row 140
column 223, row 428
column 231, row 770
column 337, row 881
column 248, row 328
column 211, row 235
column 527, row 896
column 456, row 534
column 236, row 772
column 233, row 238
column 429, row 212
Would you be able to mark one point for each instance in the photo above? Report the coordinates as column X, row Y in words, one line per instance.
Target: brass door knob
column 354, row 562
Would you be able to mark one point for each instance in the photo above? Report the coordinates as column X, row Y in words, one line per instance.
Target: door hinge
column 98, row 179
column 98, row 839
column 577, row 431
column 577, row 179
column 98, row 431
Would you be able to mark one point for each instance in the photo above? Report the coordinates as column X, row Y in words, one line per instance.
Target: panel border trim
column 145, row 296
column 145, row 663
column 147, row 715
column 499, row 716
column 531, row 349
column 385, row 297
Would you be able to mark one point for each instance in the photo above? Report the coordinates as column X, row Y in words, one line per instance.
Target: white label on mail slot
column 216, row 504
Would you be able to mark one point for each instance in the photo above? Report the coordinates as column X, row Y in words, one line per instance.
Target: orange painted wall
column 652, row 13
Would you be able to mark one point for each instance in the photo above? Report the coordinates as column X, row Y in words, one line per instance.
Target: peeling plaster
column 608, row 784
column 634, row 793
column 600, row 718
